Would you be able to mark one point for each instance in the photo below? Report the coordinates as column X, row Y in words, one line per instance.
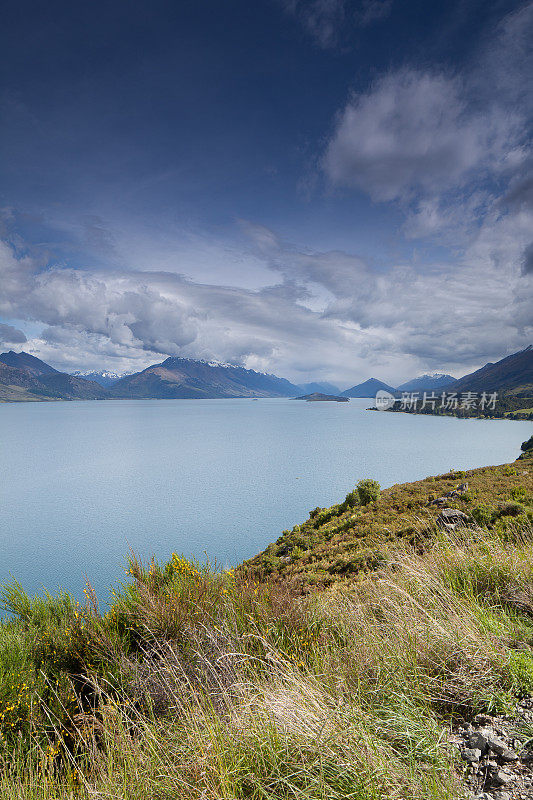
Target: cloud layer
column 11, row 335
column 328, row 314
column 449, row 152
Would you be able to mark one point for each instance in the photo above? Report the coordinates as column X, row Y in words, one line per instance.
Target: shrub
column 528, row 445
column 352, row 499
column 519, row 494
column 368, row 491
column 483, row 515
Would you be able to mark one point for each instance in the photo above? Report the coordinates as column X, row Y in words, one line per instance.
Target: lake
column 83, row 482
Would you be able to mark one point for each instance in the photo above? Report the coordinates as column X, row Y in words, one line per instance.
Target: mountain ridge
column 24, row 377
column 368, row 388
column 178, row 378
column 512, row 374
column 427, row 382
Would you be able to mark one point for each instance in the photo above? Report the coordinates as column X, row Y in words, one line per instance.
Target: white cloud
column 450, row 151
column 415, row 132
column 390, row 323
column 444, row 145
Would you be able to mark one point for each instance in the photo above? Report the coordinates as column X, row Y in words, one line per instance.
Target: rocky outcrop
column 498, row 757
column 443, row 500
column 452, row 518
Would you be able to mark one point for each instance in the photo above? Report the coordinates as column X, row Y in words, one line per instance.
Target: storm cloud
column 434, row 158
column 11, row 335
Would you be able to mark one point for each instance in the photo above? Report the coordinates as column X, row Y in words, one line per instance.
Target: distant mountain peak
column 368, row 388
column 104, row 377
column 27, row 362
column 193, row 378
column 428, row 382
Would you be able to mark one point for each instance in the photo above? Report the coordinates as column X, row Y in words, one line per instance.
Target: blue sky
column 322, row 189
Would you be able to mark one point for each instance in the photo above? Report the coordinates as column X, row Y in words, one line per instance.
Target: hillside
column 186, row 378
column 410, row 677
column 368, row 388
column 336, row 543
column 17, row 384
column 511, row 375
column 26, row 378
column 27, row 362
column 511, row 379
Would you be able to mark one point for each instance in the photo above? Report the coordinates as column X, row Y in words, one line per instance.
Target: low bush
column 368, row 491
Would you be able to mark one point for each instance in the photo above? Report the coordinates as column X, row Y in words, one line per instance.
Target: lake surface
column 82, row 482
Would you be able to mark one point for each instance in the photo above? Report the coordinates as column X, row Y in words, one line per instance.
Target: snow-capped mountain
column 427, row 382
column 103, row 378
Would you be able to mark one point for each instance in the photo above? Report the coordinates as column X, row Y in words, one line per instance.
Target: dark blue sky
column 184, row 177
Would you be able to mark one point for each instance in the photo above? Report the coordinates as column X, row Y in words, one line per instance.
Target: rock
column 457, row 492
column 500, row 796
column 502, row 778
column 439, row 501
column 499, row 747
column 471, row 755
column 452, row 516
column 477, row 740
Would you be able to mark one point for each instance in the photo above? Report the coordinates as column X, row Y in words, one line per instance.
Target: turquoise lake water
column 83, row 482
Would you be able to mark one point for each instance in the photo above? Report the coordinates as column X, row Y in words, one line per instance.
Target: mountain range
column 187, row 378
column 104, row 378
column 427, row 383
column 512, row 375
column 25, row 377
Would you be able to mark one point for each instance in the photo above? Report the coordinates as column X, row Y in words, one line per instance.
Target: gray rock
column 499, row 747
column 452, row 517
column 471, row 755
column 502, row 778
column 439, row 501
column 477, row 740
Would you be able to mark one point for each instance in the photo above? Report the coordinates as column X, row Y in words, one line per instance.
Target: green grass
column 336, row 543
column 201, row 683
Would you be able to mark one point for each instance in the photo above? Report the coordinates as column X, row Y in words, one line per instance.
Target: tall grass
column 200, row 683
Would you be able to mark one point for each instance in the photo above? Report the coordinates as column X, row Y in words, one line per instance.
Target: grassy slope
column 200, row 684
column 336, row 543
column 14, row 394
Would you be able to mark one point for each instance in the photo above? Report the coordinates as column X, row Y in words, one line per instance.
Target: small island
column 319, row 397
